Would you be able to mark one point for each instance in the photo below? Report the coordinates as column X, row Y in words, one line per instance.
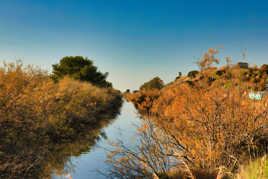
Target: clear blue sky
column 133, row 40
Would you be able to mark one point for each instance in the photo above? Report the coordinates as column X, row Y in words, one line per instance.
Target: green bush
column 79, row 68
column 155, row 83
column 192, row 74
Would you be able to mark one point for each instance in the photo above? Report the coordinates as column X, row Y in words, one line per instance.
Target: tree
column 179, row 76
column 155, row 83
column 208, row 59
column 79, row 68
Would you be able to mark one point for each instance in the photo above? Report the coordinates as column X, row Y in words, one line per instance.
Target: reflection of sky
column 123, row 128
column 134, row 40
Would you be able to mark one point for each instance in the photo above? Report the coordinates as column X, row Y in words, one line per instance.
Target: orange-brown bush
column 28, row 95
column 143, row 100
column 207, row 124
column 211, row 78
column 36, row 112
column 201, row 129
column 214, row 127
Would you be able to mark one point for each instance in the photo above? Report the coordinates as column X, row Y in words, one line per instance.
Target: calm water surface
column 87, row 165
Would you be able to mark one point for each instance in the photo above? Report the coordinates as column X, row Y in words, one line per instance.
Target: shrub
column 79, row 68
column 28, row 94
column 242, row 65
column 37, row 116
column 198, row 132
column 127, row 91
column 179, row 76
column 208, row 59
column 264, row 68
column 155, row 83
column 143, row 100
column 192, row 74
column 204, row 127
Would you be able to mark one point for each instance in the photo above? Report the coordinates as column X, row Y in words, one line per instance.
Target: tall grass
column 257, row 169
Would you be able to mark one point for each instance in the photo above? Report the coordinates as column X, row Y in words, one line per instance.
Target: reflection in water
column 92, row 164
column 28, row 155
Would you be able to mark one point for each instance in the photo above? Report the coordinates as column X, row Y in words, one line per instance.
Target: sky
column 133, row 40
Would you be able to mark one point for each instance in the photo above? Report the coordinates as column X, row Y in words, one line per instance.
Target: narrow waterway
column 92, row 163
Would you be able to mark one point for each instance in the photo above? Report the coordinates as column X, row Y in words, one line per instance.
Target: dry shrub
column 29, row 95
column 148, row 158
column 143, row 100
column 210, row 125
column 213, row 127
column 196, row 133
column 37, row 114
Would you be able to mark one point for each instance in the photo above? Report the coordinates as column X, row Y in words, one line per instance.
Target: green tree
column 79, row 68
column 155, row 83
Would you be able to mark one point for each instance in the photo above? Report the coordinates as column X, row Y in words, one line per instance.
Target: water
column 88, row 165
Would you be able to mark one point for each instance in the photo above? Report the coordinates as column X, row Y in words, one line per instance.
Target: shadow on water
column 31, row 155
